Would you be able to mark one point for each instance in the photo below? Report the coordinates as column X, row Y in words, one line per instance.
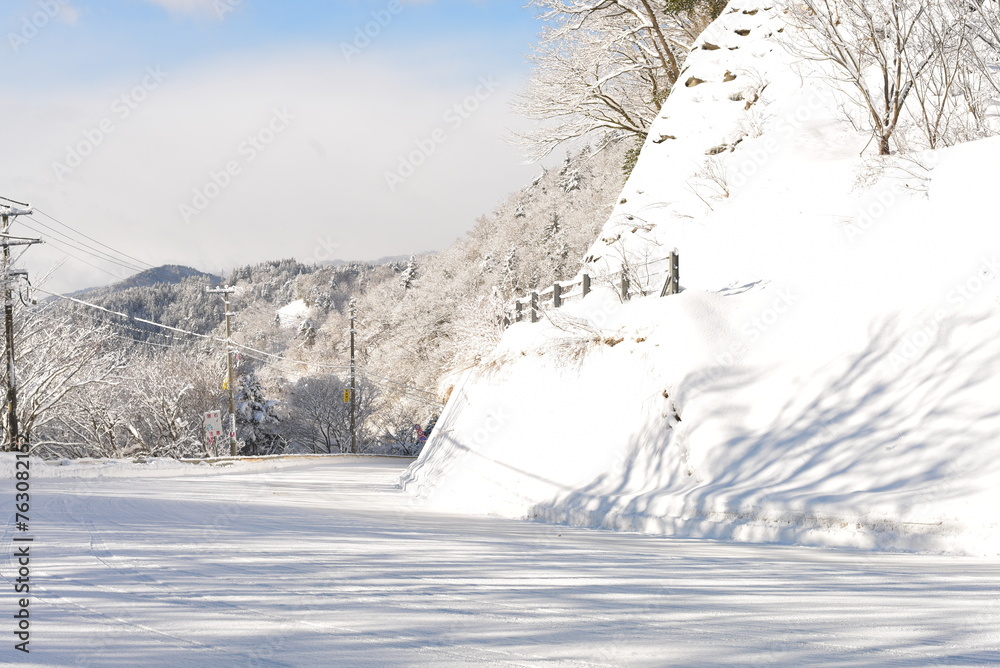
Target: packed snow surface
column 830, row 374
column 324, row 562
column 293, row 314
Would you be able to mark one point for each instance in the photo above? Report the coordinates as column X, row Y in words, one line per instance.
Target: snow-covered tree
column 257, row 420
column 56, row 359
column 409, row 273
column 307, row 333
column 556, row 249
column 604, row 67
column 929, row 63
column 153, row 406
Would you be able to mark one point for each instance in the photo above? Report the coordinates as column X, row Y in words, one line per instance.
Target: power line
column 159, row 272
column 189, row 333
column 85, row 236
column 408, row 388
column 115, row 256
column 39, row 314
column 81, row 246
column 412, row 393
column 127, row 316
column 58, row 244
column 104, row 322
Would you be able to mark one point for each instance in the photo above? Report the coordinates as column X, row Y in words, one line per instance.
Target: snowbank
column 293, row 314
column 159, row 467
column 828, row 377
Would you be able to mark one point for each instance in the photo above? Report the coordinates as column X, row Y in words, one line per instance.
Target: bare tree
column 919, row 61
column 319, row 419
column 56, row 358
column 153, row 407
column 397, row 421
column 604, row 67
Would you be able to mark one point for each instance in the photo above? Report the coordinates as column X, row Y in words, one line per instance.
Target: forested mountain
column 168, row 274
column 419, row 321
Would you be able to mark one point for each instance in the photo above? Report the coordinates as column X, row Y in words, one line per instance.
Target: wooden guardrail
column 633, row 280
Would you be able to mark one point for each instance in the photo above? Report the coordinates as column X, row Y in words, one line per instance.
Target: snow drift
column 829, row 376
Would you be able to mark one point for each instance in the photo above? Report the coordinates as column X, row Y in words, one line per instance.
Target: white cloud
column 216, row 8
column 319, row 184
column 68, row 13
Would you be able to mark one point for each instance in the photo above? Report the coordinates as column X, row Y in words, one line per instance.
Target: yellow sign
column 347, row 396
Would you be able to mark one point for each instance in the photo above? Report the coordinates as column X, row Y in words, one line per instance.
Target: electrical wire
column 85, row 236
column 81, row 246
column 115, row 256
column 403, row 386
column 164, row 274
column 14, row 201
column 58, row 245
column 208, row 337
column 129, row 317
column 39, row 314
column 104, row 322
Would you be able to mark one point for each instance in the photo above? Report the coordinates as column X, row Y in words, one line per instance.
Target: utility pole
column 354, row 389
column 6, row 241
column 230, row 375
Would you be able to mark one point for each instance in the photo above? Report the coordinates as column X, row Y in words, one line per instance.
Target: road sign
column 213, row 425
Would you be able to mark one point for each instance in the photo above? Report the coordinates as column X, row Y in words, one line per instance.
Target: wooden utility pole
column 354, row 389
column 230, row 367
column 8, row 311
column 6, row 241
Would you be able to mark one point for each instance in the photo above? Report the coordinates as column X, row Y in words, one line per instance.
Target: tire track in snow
column 134, row 572
column 41, row 593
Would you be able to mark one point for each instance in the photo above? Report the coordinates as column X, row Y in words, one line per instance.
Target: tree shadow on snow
column 903, row 426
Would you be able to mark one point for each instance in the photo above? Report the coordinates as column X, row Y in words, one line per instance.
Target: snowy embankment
column 829, row 376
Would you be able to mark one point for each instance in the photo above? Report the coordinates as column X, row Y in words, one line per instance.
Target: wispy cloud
column 68, row 13
column 322, row 177
column 198, row 8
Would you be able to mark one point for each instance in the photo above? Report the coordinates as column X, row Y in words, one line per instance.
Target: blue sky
column 219, row 132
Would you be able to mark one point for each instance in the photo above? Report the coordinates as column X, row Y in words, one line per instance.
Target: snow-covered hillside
column 830, row 374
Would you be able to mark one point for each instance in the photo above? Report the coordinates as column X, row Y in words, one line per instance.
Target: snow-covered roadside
column 323, row 562
column 830, row 375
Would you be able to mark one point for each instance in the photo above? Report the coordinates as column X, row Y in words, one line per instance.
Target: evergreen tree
column 257, row 420
column 409, row 274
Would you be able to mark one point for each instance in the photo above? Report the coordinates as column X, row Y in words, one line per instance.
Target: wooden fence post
column 624, row 287
column 586, row 284
column 534, row 307
column 672, row 285
column 556, row 295
column 518, row 306
column 675, row 272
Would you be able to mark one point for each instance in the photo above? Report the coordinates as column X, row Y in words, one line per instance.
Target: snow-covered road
column 314, row 562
